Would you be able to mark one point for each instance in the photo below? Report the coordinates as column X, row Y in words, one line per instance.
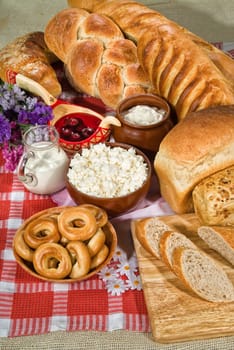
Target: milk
column 47, row 165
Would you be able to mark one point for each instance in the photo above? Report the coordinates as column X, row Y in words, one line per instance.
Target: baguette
column 29, row 55
column 169, row 241
column 202, row 275
column 220, row 239
column 98, row 59
column 182, row 67
column 199, row 146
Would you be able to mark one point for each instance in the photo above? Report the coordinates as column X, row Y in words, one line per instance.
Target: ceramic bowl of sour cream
column 145, row 120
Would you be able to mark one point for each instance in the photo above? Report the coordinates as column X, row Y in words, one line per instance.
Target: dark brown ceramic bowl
column 111, row 242
column 146, row 137
column 115, row 205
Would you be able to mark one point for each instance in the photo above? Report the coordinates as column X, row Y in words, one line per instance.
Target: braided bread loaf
column 29, row 55
column 183, row 68
column 98, row 59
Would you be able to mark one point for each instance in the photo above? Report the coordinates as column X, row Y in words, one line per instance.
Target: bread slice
column 220, row 239
column 202, row 275
column 171, row 240
column 148, row 232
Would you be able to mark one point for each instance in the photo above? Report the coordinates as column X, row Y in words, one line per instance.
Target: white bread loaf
column 99, row 60
column 182, row 67
column 220, row 239
column 213, row 198
column 199, row 146
column 29, row 55
column 202, row 275
column 171, row 240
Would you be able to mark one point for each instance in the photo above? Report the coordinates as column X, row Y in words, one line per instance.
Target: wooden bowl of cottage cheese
column 145, row 120
column 113, row 176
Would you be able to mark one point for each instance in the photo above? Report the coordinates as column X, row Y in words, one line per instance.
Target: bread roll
column 29, row 55
column 220, row 239
column 213, row 198
column 202, row 275
column 199, row 146
column 99, row 60
column 182, row 67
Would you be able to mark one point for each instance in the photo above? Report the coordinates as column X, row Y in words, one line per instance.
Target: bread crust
column 140, row 234
column 62, row 30
column 197, row 147
column 213, row 198
column 30, row 56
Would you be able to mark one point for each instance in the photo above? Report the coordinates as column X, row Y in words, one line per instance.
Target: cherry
column 65, row 132
column 75, row 136
column 71, row 121
column 87, row 132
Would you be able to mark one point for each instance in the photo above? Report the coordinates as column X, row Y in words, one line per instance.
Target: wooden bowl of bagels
column 65, row 244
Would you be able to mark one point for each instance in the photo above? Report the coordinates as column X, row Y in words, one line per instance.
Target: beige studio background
column 211, row 19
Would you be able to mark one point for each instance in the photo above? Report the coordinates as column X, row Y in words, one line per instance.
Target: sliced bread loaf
column 149, row 231
column 220, row 239
column 202, row 275
column 171, row 240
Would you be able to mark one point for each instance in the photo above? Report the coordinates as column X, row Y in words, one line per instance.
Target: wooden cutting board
column 175, row 313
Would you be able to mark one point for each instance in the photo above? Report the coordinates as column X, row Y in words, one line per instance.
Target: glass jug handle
column 28, row 178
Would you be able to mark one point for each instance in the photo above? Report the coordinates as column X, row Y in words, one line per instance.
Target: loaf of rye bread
column 29, row 55
column 182, row 67
column 213, row 198
column 98, row 59
column 198, row 271
column 199, row 146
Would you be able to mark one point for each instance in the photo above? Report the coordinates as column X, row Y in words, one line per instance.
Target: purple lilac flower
column 11, row 155
column 41, row 115
column 18, row 111
column 5, row 129
column 11, row 97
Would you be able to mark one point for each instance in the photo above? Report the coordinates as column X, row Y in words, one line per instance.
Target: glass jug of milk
column 44, row 164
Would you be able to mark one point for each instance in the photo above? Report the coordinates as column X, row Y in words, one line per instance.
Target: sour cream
column 144, row 115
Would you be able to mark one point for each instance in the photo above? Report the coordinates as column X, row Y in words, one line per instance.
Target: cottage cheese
column 144, row 115
column 108, row 172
